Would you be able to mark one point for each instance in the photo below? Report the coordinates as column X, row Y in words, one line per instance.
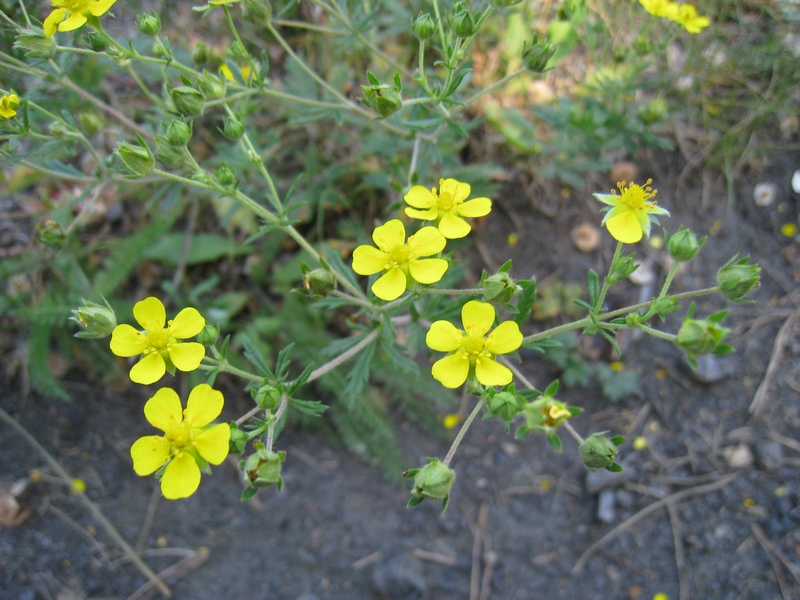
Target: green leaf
column 312, row 408
column 555, row 442
column 253, row 354
column 359, row 374
column 203, row 248
column 248, row 493
column 594, row 287
column 525, row 299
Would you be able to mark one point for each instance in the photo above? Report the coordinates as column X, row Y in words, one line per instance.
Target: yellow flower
column 159, row 346
column 226, row 71
column 471, row 351
column 660, row 8
column 447, row 207
column 8, row 105
column 188, row 444
column 691, row 21
column 631, row 213
column 71, row 14
column 399, row 260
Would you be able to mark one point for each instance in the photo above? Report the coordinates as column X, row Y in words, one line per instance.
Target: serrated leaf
column 525, row 300
column 594, row 287
column 311, row 408
column 253, row 354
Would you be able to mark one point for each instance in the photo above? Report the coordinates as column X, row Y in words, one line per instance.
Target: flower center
column 179, row 436
column 473, row 346
column 399, row 255
column 635, row 196
column 446, row 202
column 158, row 341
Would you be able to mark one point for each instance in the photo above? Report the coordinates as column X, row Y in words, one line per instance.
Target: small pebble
column 796, row 182
column 597, row 481
column 770, row 455
column 764, row 193
column 711, row 369
column 586, row 237
column 738, row 457
column 605, row 506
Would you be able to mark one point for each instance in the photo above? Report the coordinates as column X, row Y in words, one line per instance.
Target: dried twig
column 435, row 557
column 680, row 560
column 173, row 573
column 772, row 554
column 677, row 496
column 774, row 361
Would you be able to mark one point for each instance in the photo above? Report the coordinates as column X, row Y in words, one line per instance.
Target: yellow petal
column 426, row 242
column 186, row 356
column 451, row 371
column 164, row 411
column 72, row 22
column 624, row 227
column 187, row 323
column 368, row 260
column 453, row 227
column 100, row 7
column 504, row 339
column 420, row 197
column 389, row 235
column 204, row 405
column 491, row 372
column 50, row 24
column 427, row 270
column 213, row 444
column 477, row 317
column 149, row 453
column 443, row 336
column 150, row 314
column 477, row 207
column 424, row 215
column 391, row 285
column 181, row 477
column 148, row 370
column 457, row 190
column 127, row 341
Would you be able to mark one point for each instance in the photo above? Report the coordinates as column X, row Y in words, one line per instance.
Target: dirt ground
column 709, row 509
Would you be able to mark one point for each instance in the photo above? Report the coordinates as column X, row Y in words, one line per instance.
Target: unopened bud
column 232, row 128
column 423, row 27
column 167, row 154
column 238, row 439
column 433, row 481
column 683, row 244
column 51, row 234
column 464, row 24
column 149, row 24
column 536, row 56
column 212, row 86
column 97, row 42
column 500, row 288
column 600, row 452
column 319, row 283
column 258, row 12
column 384, row 99
column 178, row 133
column 225, row 175
column 209, row 335
column 35, row 45
column 504, row 405
column 267, row 396
column 138, row 161
column 97, row 320
column 736, row 278
column 90, row 122
column 263, row 468
column 188, row 101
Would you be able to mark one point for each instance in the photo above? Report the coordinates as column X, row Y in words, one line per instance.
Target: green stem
column 101, row 518
column 606, row 280
column 462, row 432
column 659, row 334
column 497, row 84
column 284, row 403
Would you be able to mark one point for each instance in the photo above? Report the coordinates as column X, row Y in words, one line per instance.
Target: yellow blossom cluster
column 683, row 14
column 9, row 103
column 190, row 442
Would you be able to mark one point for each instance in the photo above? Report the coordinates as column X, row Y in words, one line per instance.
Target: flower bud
column 36, row 45
column 423, row 27
column 238, row 52
column 267, row 396
column 653, row 111
column 212, row 86
column 178, row 133
column 200, row 53
column 683, row 244
column 149, row 24
column 621, row 269
column 58, row 129
column 464, row 23
column 736, row 278
column 433, row 481
column 225, row 175
column 167, row 154
column 209, row 335
column 263, row 468
column 258, row 12
column 188, row 101
column 600, row 452
column 232, row 128
column 319, row 283
column 137, row 161
column 382, row 98
column 90, row 122
column 536, row 56
column 500, row 288
column 51, row 234
column 238, row 439
column 503, row 405
column 703, row 337
column 97, row 41
column 97, row 321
